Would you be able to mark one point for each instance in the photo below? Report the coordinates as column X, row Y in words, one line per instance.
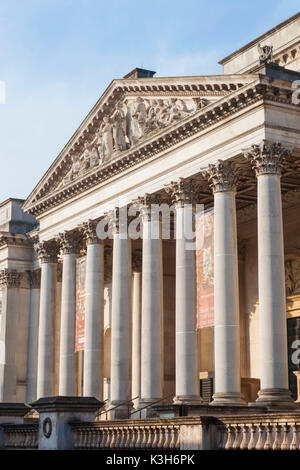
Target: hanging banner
column 80, row 303
column 205, row 269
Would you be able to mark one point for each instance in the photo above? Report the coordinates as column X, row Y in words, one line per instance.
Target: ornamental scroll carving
column 129, row 123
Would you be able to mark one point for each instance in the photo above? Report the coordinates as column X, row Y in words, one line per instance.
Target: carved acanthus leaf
column 222, row 176
column 267, row 157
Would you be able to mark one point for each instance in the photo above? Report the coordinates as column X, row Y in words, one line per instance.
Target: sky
column 58, row 56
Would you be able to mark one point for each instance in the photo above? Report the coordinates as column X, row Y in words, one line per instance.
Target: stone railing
column 22, row 436
column 69, row 423
column 280, row 432
column 127, row 434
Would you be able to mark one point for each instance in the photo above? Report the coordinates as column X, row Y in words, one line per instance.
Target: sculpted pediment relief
column 130, row 122
column 134, row 118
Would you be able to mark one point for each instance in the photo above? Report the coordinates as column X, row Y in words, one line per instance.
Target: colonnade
column 144, row 375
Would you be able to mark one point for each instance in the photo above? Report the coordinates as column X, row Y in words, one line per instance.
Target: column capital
column 182, row 192
column 69, row 242
column 47, row 251
column 222, row 176
column 267, row 158
column 10, row 278
column 89, row 230
column 137, row 261
column 117, row 220
column 145, row 202
column 34, row 278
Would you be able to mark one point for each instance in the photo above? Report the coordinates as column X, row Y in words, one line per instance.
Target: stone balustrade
column 259, row 433
column 129, row 436
column 22, row 436
column 69, row 423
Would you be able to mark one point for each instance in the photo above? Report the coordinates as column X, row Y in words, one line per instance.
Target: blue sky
column 58, row 56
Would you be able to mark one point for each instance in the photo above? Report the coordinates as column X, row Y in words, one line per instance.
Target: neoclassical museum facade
column 143, row 322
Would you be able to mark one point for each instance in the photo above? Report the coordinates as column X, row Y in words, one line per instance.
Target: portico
column 153, row 319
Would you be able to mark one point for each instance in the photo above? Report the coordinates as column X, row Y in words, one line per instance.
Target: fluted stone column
column 152, row 307
column 120, row 319
column 227, row 387
column 9, row 284
column 67, row 363
column 267, row 159
column 187, row 379
column 136, row 326
column 47, row 252
column 94, row 305
column 33, row 331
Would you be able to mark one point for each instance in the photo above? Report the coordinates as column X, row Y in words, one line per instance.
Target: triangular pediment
column 130, row 112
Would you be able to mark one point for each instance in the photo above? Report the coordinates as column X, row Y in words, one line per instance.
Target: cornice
column 259, row 89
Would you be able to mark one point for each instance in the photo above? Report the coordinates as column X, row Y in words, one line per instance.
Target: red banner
column 80, row 303
column 205, row 269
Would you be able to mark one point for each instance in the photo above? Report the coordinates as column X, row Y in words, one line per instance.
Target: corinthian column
column 120, row 318
column 187, row 379
column 267, row 159
column 33, row 331
column 94, row 304
column 67, row 364
column 47, row 253
column 227, row 389
column 152, row 306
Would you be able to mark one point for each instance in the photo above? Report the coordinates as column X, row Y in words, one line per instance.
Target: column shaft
column 94, row 304
column 152, row 316
column 271, row 278
column 32, row 356
column 136, row 335
column 120, row 322
column 67, row 363
column 187, row 381
column 46, row 321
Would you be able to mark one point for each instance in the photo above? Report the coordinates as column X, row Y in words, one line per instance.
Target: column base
column 228, row 399
column 277, row 397
column 144, row 408
column 119, row 410
column 187, row 400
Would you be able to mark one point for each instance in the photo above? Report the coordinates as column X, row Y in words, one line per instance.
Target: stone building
column 135, row 321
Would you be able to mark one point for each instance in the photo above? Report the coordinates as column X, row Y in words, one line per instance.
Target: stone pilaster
column 47, row 252
column 69, row 244
column 267, row 159
column 187, row 381
column 223, row 179
column 94, row 311
column 9, row 284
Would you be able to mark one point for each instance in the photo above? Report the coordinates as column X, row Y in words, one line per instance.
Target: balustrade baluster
column 251, row 445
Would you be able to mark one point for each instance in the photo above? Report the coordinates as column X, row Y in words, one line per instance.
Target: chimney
column 139, row 73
